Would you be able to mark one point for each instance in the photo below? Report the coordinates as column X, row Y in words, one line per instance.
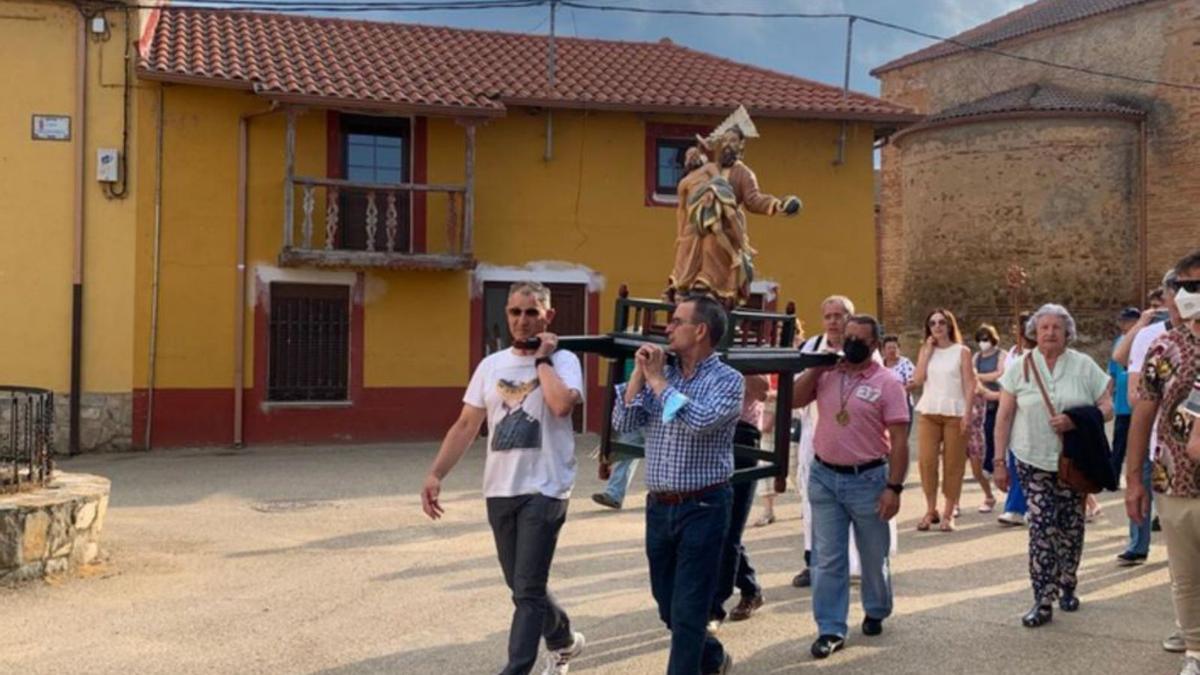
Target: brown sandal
column 929, row 519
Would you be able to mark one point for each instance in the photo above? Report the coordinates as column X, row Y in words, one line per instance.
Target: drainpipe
column 239, row 301
column 550, row 77
column 77, row 266
column 841, row 146
column 1143, row 262
column 158, row 191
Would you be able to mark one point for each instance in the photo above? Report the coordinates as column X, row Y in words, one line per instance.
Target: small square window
column 666, row 147
column 669, row 153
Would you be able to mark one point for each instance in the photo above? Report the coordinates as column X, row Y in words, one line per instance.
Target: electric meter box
column 107, row 166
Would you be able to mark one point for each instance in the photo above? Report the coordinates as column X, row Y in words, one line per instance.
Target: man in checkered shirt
column 687, row 413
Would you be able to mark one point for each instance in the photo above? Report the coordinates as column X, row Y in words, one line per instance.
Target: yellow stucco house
column 280, row 228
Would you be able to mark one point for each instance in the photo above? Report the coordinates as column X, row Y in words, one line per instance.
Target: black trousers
column 735, row 569
column 526, row 532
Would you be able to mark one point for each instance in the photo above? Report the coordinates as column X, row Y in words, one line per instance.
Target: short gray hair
column 1050, row 309
column 540, row 293
column 846, row 303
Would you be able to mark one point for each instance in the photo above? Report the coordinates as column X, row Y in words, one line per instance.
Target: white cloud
column 956, row 16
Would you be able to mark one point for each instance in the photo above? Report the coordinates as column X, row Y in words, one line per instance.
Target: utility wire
column 883, row 24
column 330, row 6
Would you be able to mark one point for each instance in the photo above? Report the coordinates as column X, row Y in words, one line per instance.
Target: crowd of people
column 1032, row 423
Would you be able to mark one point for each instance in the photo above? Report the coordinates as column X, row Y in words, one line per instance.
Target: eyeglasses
column 1189, row 285
column 676, row 322
column 531, row 312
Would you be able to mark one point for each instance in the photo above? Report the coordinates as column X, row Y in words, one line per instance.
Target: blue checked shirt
column 694, row 449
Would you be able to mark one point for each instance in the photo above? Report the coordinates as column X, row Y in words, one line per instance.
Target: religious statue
column 713, row 255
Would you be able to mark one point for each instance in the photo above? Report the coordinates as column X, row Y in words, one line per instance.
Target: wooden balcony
column 335, row 223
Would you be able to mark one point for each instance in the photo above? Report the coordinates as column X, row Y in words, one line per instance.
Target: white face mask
column 985, row 345
column 1188, row 304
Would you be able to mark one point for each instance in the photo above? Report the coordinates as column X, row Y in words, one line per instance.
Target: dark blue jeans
column 683, row 546
column 735, row 569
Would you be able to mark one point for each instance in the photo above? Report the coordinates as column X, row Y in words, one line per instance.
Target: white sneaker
column 559, row 662
column 1191, row 666
column 1011, row 519
column 1174, row 643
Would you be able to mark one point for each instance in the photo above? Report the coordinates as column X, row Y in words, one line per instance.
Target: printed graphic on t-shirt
column 517, row 430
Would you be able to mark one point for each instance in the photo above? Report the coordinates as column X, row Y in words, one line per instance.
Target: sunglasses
column 1189, row 285
column 532, row 312
column 939, row 322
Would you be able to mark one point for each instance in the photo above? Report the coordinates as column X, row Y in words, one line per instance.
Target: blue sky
column 805, row 47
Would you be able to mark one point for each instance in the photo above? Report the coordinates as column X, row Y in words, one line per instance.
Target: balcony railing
column 315, row 226
column 317, row 231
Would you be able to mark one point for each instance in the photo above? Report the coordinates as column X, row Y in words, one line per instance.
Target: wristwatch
column 543, row 359
column 896, row 487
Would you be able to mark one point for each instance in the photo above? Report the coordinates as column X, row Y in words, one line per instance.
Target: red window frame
column 654, row 133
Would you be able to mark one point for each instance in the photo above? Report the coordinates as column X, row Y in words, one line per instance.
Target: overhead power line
column 333, row 7
column 883, row 24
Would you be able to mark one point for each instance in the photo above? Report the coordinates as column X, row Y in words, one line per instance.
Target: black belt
column 854, row 468
column 674, row 498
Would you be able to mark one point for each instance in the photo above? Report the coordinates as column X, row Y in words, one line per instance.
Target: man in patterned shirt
column 1167, row 379
column 687, row 412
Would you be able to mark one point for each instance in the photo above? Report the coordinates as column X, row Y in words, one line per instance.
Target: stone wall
column 52, row 530
column 1157, row 41
column 105, row 422
column 1056, row 196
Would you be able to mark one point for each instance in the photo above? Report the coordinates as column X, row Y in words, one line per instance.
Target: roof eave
column 1015, row 115
column 145, row 73
column 836, row 115
column 383, row 106
column 322, row 101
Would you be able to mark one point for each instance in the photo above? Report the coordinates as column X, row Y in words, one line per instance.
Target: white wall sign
column 51, row 127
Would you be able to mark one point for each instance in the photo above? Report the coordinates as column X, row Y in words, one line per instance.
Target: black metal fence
column 26, row 437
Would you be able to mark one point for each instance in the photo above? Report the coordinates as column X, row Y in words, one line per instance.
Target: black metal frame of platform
column 757, row 343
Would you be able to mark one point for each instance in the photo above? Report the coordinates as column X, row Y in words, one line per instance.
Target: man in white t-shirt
column 526, row 394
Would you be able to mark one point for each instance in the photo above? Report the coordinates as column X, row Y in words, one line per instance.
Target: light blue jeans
column 840, row 501
column 1139, row 534
column 619, row 478
column 621, row 473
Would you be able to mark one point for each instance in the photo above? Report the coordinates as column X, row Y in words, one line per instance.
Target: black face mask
column 856, row 351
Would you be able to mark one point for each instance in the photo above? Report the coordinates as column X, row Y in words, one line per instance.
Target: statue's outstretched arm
column 745, row 183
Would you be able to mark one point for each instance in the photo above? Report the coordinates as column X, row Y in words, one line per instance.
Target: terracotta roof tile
column 1036, row 98
column 1031, row 18
column 470, row 71
column 1031, row 98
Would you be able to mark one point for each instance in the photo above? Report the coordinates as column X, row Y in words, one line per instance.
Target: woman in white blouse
column 1062, row 379
column 945, row 372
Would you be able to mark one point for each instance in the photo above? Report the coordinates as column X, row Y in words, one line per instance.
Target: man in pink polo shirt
column 861, row 445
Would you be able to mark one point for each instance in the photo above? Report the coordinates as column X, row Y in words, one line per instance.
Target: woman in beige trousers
column 947, row 378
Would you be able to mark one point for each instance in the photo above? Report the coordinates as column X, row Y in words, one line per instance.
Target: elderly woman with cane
column 1037, row 391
